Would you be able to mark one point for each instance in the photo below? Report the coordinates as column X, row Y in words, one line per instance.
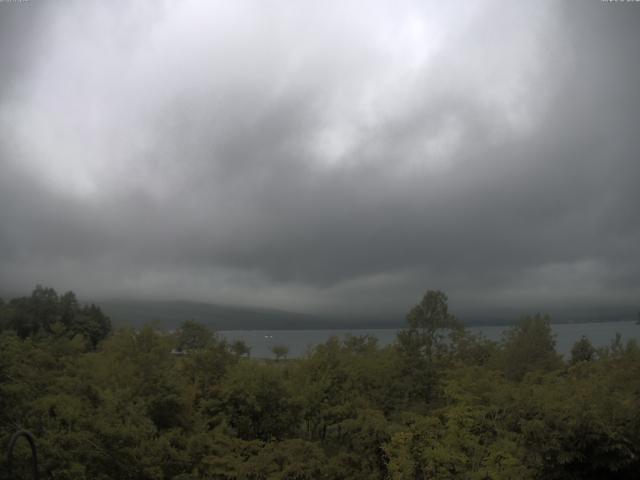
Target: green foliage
column 240, row 348
column 429, row 323
column 46, row 313
column 582, row 351
column 258, row 403
column 193, row 336
column 530, row 347
column 425, row 346
column 280, row 351
column 439, row 404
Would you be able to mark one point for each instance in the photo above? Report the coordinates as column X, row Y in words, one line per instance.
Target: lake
column 301, row 341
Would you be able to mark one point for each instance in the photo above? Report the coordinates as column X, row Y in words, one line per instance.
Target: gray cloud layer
column 331, row 158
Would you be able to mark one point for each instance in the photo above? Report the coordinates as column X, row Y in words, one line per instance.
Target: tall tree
column 424, row 344
column 582, row 351
column 429, row 324
column 530, row 346
column 194, row 335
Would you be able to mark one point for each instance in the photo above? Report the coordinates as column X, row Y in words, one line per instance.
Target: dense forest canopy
column 439, row 403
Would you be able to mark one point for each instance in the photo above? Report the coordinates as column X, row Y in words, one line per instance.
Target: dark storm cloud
column 320, row 160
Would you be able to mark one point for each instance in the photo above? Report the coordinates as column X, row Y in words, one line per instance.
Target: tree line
column 439, row 403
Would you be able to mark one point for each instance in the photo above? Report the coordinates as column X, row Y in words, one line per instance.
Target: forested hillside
column 440, row 403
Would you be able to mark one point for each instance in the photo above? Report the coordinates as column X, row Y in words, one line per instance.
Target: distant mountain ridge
column 169, row 314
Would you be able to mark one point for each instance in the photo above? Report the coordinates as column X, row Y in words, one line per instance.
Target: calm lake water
column 301, row 341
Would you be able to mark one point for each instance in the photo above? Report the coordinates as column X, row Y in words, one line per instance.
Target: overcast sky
column 322, row 157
